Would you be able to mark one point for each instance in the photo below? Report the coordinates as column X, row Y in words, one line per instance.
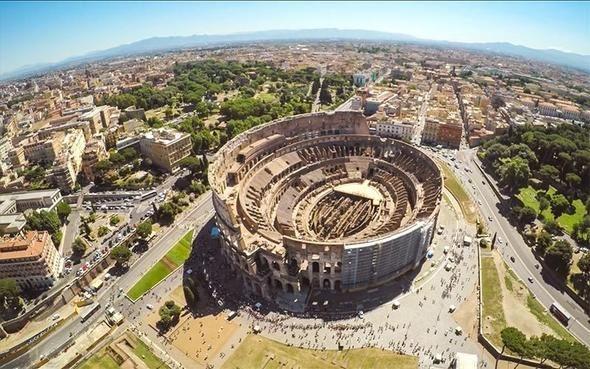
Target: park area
column 128, row 352
column 169, row 262
column 507, row 302
column 530, row 197
column 454, row 187
column 257, row 352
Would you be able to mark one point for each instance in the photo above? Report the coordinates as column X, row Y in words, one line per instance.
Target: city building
column 165, row 147
column 95, row 151
column 69, row 163
column 18, row 202
column 30, row 259
column 99, row 118
column 42, row 151
column 403, row 130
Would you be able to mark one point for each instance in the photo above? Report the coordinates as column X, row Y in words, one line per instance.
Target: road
column 544, row 287
column 417, row 136
column 196, row 217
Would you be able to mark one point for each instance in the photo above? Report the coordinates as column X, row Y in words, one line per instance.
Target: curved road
column 544, row 287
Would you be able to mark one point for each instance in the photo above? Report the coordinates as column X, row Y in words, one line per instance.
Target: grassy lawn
column 455, row 188
column 158, row 272
column 528, row 197
column 173, row 259
column 492, row 299
column 255, row 353
column 181, row 251
column 102, row 360
column 146, row 355
column 547, row 319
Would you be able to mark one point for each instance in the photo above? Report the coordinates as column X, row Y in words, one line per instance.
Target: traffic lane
column 545, row 291
column 55, row 340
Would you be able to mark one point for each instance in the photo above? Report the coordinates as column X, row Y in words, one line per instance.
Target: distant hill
column 159, row 44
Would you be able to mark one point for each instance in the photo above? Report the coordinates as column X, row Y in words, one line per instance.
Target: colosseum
column 315, row 202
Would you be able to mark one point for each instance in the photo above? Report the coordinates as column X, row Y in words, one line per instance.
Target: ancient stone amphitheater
column 316, row 202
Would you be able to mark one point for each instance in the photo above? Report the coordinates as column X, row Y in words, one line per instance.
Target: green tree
column 549, row 172
column 166, row 212
column 121, row 254
column 169, row 312
column 515, row 341
column 192, row 163
column 144, row 230
column 103, row 231
column 495, row 152
column 524, row 214
column 559, row 256
column 129, row 154
column 551, row 226
column 325, row 95
column 63, row 211
column 45, row 221
column 79, row 247
column 559, row 204
column 114, row 220
column 584, row 265
column 514, row 172
column 543, row 242
column 543, row 203
column 9, row 293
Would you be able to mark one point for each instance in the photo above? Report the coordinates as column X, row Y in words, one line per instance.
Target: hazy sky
column 39, row 32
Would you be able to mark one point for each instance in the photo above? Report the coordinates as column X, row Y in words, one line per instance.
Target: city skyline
column 57, row 31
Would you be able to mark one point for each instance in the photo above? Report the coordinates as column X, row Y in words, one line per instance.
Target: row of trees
column 10, row 301
column 560, row 351
column 50, row 221
column 558, row 156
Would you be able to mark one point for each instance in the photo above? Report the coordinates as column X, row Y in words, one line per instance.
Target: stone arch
column 290, row 288
column 258, row 289
column 338, row 285
column 304, row 281
column 278, row 284
column 276, row 266
column 327, row 284
column 315, row 267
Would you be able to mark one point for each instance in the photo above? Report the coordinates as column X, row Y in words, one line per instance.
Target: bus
column 88, row 313
column 560, row 313
column 149, row 194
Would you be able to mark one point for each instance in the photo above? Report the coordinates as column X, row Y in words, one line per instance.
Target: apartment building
column 18, row 202
column 69, row 163
column 95, row 151
column 98, row 117
column 38, row 150
column 402, row 130
column 30, row 259
column 165, row 147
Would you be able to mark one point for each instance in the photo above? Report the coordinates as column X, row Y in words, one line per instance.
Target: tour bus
column 88, row 313
column 560, row 313
column 147, row 195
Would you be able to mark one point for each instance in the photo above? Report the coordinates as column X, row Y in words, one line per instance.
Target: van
column 232, row 314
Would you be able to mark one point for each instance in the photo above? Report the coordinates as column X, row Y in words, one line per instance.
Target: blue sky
column 39, row 32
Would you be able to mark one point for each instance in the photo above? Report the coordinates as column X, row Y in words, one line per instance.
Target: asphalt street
column 544, row 287
column 115, row 290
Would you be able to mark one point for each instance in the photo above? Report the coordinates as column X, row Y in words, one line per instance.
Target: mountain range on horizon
column 162, row 44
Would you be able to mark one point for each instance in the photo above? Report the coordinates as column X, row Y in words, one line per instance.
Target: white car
column 149, row 306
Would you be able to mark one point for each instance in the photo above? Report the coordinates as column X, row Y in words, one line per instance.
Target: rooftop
column 18, row 247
